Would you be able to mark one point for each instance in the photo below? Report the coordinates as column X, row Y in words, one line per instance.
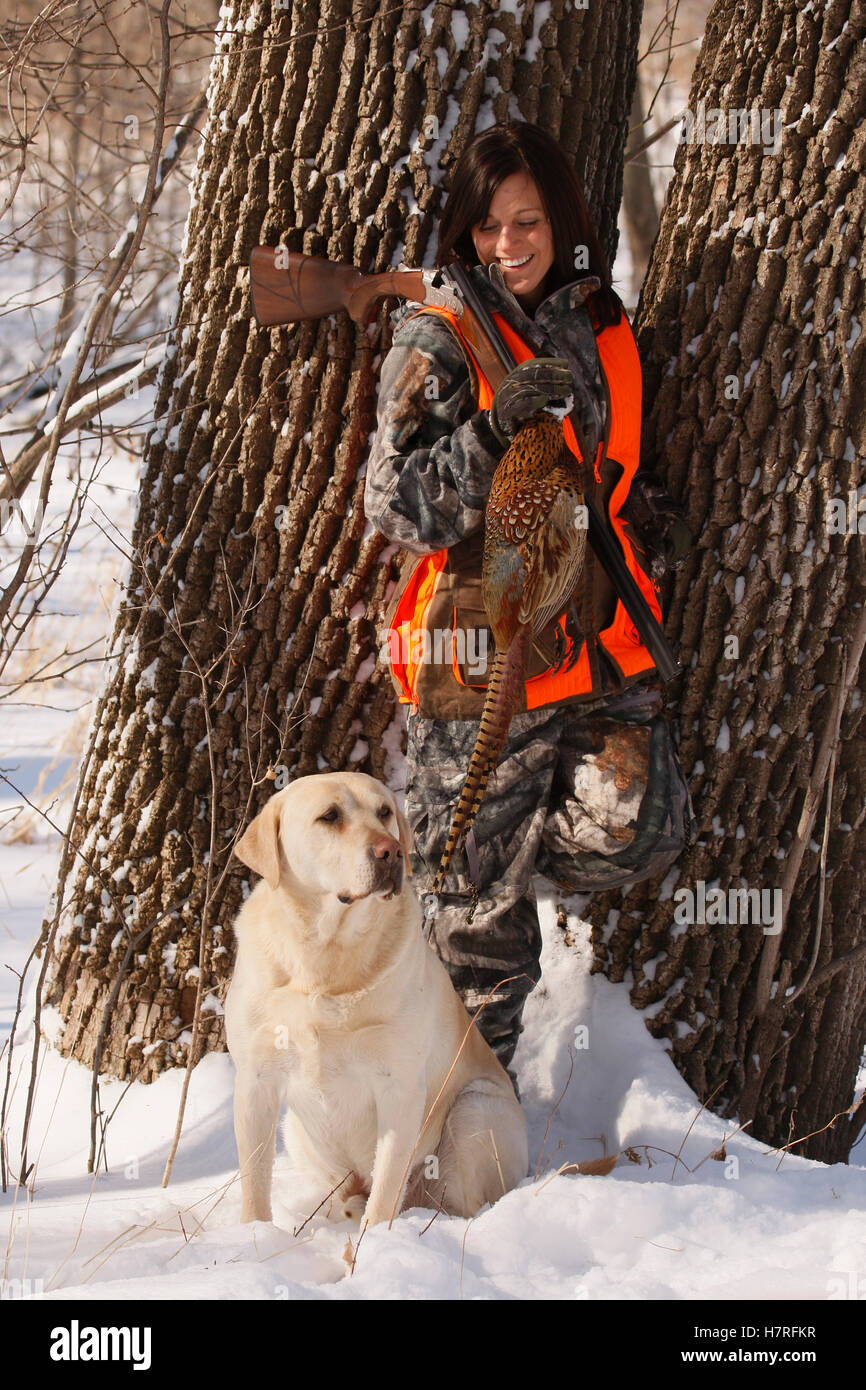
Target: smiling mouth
column 514, row 265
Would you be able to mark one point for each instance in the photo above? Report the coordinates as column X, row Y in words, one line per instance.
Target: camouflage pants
column 590, row 800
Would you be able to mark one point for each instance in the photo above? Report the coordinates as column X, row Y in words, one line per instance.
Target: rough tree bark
column 751, row 334
column 247, row 639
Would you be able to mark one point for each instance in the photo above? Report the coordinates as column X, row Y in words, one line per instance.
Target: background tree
column 248, row 635
column 640, row 213
column 79, row 112
column 92, row 216
column 751, row 334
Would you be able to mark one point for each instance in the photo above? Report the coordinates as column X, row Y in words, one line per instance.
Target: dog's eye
column 331, row 816
column 384, row 812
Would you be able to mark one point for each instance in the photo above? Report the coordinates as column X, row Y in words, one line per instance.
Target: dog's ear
column 407, row 843
column 259, row 846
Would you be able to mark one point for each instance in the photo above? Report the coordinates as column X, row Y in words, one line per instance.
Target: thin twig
column 697, row 1116
column 463, row 1251
column 832, row 967
column 356, row 1248
column 822, row 870
column 782, row 1147
column 725, row 1140
column 554, row 1110
column 297, row 1230
column 814, row 794
column 439, row 1209
column 651, row 139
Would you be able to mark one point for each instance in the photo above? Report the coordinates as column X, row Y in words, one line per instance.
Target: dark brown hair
column 513, row 149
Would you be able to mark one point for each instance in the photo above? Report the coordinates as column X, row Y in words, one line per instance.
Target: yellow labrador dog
column 339, row 1008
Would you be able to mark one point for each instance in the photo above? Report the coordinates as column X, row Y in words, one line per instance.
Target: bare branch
column 814, row 795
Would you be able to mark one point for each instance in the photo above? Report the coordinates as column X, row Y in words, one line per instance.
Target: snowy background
column 677, row 1218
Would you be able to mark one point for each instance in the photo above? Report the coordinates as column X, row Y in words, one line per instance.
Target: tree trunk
column 640, row 213
column 247, row 640
column 750, row 330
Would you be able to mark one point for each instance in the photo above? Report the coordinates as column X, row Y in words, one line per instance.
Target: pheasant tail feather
column 504, row 689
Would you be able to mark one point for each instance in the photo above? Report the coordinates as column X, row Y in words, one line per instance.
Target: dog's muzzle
column 393, row 881
column 386, row 865
column 387, row 862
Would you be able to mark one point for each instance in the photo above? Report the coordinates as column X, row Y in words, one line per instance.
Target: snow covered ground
column 754, row 1225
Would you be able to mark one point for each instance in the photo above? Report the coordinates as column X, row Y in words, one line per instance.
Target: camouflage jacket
column 434, row 455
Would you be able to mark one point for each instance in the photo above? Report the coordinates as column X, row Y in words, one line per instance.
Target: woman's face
column 516, row 232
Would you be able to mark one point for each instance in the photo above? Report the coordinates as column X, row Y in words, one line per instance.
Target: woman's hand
column 527, row 389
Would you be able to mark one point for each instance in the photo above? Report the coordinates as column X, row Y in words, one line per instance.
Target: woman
column 588, row 790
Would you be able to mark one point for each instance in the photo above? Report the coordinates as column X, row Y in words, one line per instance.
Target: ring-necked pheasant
column 534, row 543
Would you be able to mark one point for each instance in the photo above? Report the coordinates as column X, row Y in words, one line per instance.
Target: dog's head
column 337, row 833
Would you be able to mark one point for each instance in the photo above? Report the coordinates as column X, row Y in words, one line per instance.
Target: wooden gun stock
column 287, row 287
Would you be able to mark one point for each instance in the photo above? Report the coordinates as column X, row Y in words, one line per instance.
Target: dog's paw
column 353, row 1207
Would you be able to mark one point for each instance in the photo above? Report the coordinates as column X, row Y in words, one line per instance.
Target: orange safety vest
column 620, row 364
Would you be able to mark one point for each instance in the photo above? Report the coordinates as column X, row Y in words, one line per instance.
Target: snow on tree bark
column 247, row 639
column 751, row 334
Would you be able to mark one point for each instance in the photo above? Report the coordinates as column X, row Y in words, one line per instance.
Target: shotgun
column 287, row 287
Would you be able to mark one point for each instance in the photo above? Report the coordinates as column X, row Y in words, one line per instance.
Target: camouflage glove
column 527, row 389
column 659, row 522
